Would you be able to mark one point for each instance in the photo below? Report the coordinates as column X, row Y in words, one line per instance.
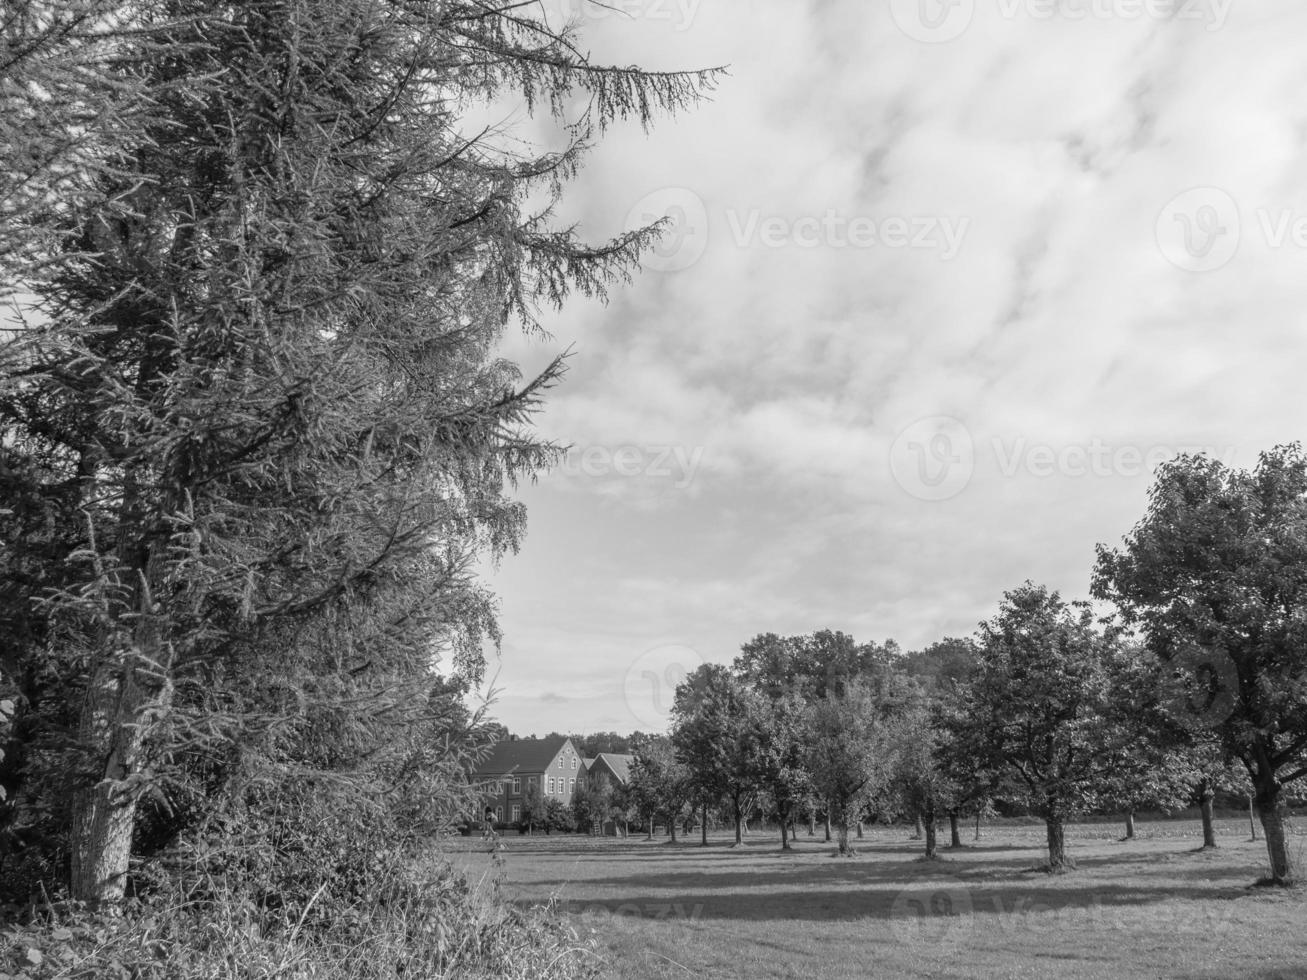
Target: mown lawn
column 1154, row 907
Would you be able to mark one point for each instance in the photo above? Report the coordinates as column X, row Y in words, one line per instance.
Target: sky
column 944, row 281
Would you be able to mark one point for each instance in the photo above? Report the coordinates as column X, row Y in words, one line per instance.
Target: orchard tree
column 659, row 783
column 535, row 807
column 1211, row 770
column 592, row 804
column 974, row 777
column 716, row 735
column 783, row 736
column 848, row 754
column 1039, row 705
column 254, row 432
column 1216, row 577
column 1150, row 767
column 922, row 779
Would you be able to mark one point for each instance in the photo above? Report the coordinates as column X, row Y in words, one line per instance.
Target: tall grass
column 425, row 923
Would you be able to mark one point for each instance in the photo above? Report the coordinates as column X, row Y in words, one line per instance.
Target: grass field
column 1153, row 907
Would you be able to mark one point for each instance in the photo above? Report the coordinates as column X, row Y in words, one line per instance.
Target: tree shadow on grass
column 899, row 905
column 864, row 870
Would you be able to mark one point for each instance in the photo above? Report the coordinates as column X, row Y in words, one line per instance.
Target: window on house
column 551, row 785
column 560, row 762
column 517, row 812
column 573, row 762
column 571, row 785
column 499, row 814
column 517, row 786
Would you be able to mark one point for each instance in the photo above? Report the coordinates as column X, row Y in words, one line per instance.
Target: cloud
column 789, row 362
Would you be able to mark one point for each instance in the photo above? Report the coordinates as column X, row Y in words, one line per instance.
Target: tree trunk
column 651, row 829
column 977, row 825
column 828, row 825
column 845, row 849
column 703, row 829
column 103, row 820
column 955, row 838
column 785, row 841
column 859, row 830
column 672, row 824
column 917, row 831
column 1273, row 811
column 104, row 814
column 932, row 844
column 1205, row 808
column 739, row 823
column 1130, row 825
column 1057, row 859
column 1252, row 816
column 812, row 823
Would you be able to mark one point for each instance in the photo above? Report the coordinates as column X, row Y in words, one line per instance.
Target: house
column 610, row 767
column 614, row 770
column 550, row 765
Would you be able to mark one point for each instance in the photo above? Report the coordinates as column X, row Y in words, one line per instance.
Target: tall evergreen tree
column 253, row 431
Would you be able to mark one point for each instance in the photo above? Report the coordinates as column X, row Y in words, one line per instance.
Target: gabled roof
column 619, row 764
column 522, row 755
column 587, row 763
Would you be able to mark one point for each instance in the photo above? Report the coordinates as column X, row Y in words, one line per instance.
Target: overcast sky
column 946, row 281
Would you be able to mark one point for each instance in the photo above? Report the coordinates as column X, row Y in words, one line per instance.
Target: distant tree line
column 1192, row 681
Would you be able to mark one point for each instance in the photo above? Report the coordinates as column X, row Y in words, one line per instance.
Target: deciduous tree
column 849, row 755
column 715, row 732
column 1216, row 576
column 1038, row 706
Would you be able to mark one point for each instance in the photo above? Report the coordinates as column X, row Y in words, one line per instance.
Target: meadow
column 1157, row 906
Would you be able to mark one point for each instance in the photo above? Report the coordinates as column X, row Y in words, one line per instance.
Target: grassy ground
column 1154, row 907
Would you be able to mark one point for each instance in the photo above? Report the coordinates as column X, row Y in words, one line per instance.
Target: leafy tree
column 849, row 755
column 1212, row 770
column 592, row 804
column 974, row 777
column 253, row 431
column 783, row 736
column 1150, row 768
column 591, row 745
column 559, row 816
column 715, row 733
column 921, row 772
column 1038, row 706
column 535, row 808
column 775, row 665
column 942, row 666
column 659, row 785
column 1216, row 576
